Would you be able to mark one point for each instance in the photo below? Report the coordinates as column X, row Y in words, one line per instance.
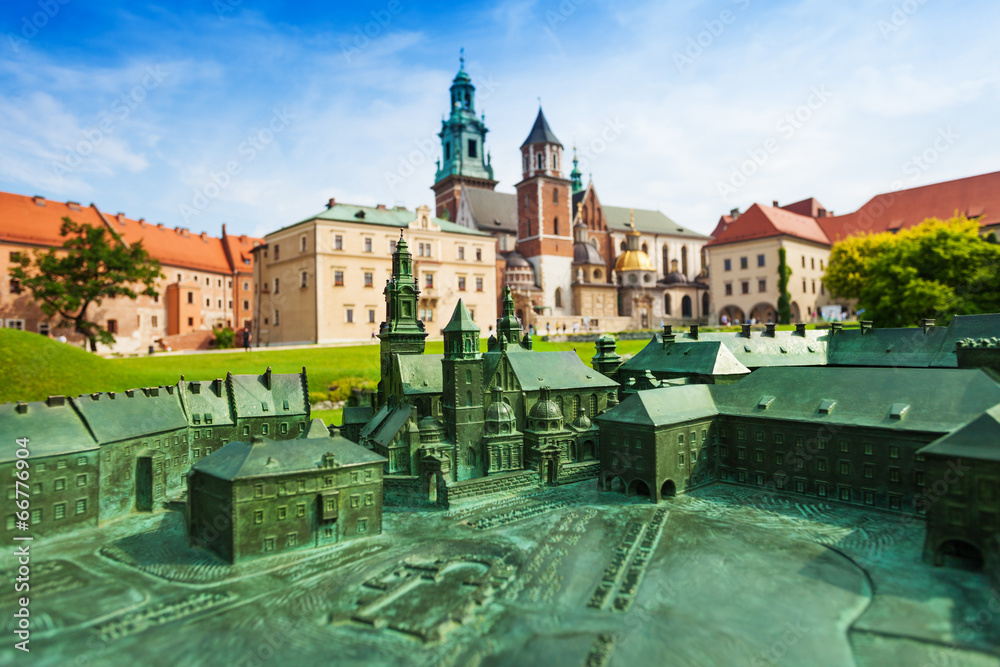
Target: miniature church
column 466, row 414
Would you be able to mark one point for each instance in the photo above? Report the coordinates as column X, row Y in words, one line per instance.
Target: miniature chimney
column 928, row 324
column 745, row 332
column 694, row 331
column 866, row 327
column 836, row 327
column 769, row 329
column 668, row 334
column 195, row 387
column 22, row 408
column 55, row 401
column 267, row 378
column 800, row 329
column 331, row 203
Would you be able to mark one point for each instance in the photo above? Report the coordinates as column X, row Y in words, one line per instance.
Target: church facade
column 568, row 260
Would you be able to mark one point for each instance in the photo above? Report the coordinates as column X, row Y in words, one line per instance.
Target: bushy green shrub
column 341, row 390
column 317, row 396
column 224, row 338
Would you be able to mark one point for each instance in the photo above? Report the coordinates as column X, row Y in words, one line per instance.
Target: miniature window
column 869, row 472
column 779, row 459
column 61, row 464
column 258, row 516
column 282, row 513
column 355, row 501
column 300, row 510
column 741, row 434
column 263, row 429
column 268, row 544
column 821, row 490
column 741, row 453
column 292, row 539
column 869, row 498
column 369, row 499
column 800, row 486
column 328, row 481
column 845, row 468
column 35, row 489
column 680, row 458
column 760, row 456
column 722, row 452
column 368, row 475
column 258, row 491
column 821, row 465
column 844, row 446
column 894, row 475
column 742, row 476
column 81, row 480
column 60, row 510
column 919, row 477
column 760, row 436
column 36, row 517
column 893, row 451
column 760, row 480
column 845, row 494
column 197, row 453
column 894, row 502
column 362, row 525
column 81, row 506
column 354, row 477
column 680, row 438
column 60, row 484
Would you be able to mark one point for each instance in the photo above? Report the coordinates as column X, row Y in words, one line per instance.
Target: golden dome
column 633, row 260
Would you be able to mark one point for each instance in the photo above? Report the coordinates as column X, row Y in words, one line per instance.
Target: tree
column 93, row 264
column 784, row 298
column 936, row 269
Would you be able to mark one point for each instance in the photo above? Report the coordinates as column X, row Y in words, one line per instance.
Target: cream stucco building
column 321, row 280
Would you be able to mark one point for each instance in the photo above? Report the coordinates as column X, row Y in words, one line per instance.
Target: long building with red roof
column 743, row 252
column 207, row 281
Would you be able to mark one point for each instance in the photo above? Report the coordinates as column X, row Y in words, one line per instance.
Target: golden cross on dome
column 631, row 218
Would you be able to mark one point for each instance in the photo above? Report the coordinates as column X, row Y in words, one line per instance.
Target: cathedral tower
column 401, row 332
column 465, row 162
column 545, row 234
column 462, row 392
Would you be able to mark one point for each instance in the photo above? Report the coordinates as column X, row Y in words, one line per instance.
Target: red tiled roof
column 974, row 196
column 239, row 250
column 36, row 221
column 809, row 207
column 761, row 222
column 22, row 220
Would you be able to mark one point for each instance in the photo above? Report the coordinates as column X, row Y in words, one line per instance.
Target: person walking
column 246, row 339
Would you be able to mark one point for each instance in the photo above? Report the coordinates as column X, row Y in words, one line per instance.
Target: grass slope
column 33, row 367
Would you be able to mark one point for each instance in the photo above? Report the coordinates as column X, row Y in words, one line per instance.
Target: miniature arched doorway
column 432, row 488
column 617, row 485
column 686, row 306
column 588, row 450
column 638, row 488
column 960, row 555
column 669, row 489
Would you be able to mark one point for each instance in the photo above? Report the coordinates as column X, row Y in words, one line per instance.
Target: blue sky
column 692, row 108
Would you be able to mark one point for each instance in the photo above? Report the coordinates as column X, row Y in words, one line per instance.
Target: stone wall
column 578, row 472
column 405, row 491
column 507, row 484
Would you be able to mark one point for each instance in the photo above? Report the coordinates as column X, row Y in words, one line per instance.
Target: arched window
column 555, row 222
column 686, row 307
column 470, row 457
column 539, row 161
column 525, row 161
column 645, row 248
column 623, row 246
column 555, row 195
column 468, row 399
column 684, row 260
column 666, row 260
column 666, row 304
column 559, row 297
column 597, row 274
column 555, row 161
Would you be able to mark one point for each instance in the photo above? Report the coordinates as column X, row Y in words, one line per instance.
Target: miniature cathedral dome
column 545, row 415
column 500, row 417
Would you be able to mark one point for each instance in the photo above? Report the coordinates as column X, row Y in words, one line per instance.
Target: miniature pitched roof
column 910, row 399
column 461, row 321
column 375, row 421
column 670, row 405
column 784, row 348
column 52, row 427
column 541, row 133
column 761, row 222
column 270, row 394
column 263, row 457
column 113, row 417
column 904, row 346
column 421, row 373
column 357, row 414
column 555, row 370
column 708, row 357
column 390, row 426
column 979, row 440
column 208, row 399
column 975, row 196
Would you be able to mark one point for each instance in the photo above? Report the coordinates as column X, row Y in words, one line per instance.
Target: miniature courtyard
column 568, row 576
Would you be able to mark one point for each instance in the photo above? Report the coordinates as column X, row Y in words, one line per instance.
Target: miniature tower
column 462, row 395
column 508, row 326
column 606, row 361
column 401, row 332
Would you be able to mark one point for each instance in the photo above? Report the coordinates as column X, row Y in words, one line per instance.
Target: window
column 355, row 501
column 282, row 513
column 258, row 516
column 539, row 161
column 821, row 465
column 208, row 303
column 304, row 281
column 744, row 263
column 741, row 434
column 81, row 506
column 371, row 315
column 680, row 458
column 268, row 544
column 762, row 285
column 338, row 278
column 822, row 288
column 302, row 248
column 555, row 191
column 555, row 161
column 81, row 480
column 845, row 446
column 36, row 518
column 427, row 314
column 729, row 289
column 369, row 499
column 246, row 286
column 869, row 471
column 112, row 326
column 845, row 494
column 368, row 244
column 727, row 264
column 745, row 287
column 291, row 539
column 277, row 317
column 803, row 261
column 428, row 280
column 15, row 286
column 479, row 254
column 349, row 315
column 479, row 284
column 741, row 453
column 369, row 279
column 258, row 491
column 277, row 285
column 277, row 251
column 472, row 148
column 805, row 287
column 893, row 451
column 812, row 262
column 338, row 242
column 300, row 510
column 760, row 260
column 246, row 304
column 461, row 252
column 894, row 475
column 60, row 510
column 759, row 456
column 60, row 484
column 461, row 283
column 845, row 468
column 362, row 525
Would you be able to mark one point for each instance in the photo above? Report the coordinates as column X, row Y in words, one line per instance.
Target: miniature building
column 466, row 415
column 265, row 496
column 139, row 443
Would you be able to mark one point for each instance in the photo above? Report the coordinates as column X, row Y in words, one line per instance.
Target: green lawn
column 33, row 367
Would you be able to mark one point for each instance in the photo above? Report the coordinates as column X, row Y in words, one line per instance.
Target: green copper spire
column 508, row 326
column 575, row 176
column 402, row 332
column 461, row 335
column 463, row 134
